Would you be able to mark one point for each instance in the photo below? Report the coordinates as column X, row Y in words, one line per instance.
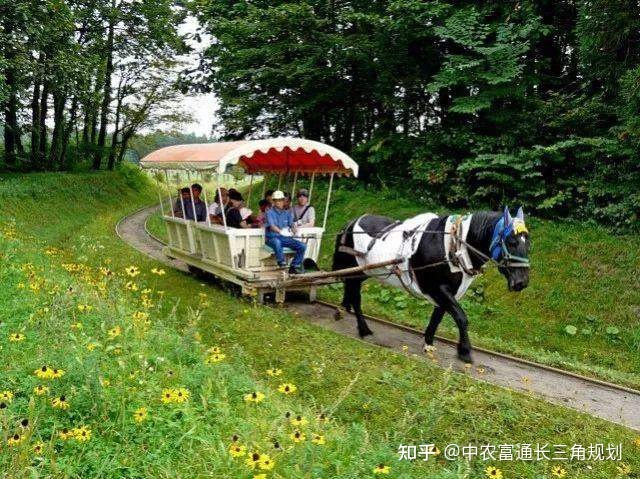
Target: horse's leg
column 354, row 294
column 451, row 305
column 434, row 322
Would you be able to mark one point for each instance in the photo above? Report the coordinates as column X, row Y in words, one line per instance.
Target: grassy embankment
column 68, row 301
column 581, row 311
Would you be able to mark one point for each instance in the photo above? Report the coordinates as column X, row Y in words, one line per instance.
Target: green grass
column 581, row 276
column 376, row 399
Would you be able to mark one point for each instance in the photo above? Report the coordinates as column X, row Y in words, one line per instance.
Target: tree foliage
column 78, row 79
column 535, row 102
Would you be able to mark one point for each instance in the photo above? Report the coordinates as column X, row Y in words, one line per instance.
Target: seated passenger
column 184, row 207
column 233, row 213
column 304, row 214
column 267, row 196
column 287, row 201
column 279, row 231
column 215, row 208
column 258, row 221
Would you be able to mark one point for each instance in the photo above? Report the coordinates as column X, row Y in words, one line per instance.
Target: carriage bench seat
column 269, row 250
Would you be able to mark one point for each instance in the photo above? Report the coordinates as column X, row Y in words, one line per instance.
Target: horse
column 437, row 258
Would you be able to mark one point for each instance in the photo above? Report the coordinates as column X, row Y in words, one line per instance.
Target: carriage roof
column 276, row 155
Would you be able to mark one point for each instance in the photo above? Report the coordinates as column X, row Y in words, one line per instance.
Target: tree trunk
column 59, row 101
column 106, row 99
column 35, row 124
column 62, row 158
column 123, row 145
column 12, row 142
column 44, row 99
column 114, row 137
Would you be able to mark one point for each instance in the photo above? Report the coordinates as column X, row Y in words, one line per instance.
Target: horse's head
column 510, row 248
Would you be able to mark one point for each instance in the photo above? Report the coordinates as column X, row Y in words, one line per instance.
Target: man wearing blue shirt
column 280, row 228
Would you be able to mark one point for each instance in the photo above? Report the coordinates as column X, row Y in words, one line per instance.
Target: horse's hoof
column 428, row 348
column 466, row 357
column 364, row 333
column 338, row 315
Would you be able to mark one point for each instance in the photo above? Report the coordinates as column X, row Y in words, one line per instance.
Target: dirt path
column 600, row 399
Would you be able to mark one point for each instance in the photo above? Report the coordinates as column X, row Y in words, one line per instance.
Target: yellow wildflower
column 297, row 436
column 140, row 315
column 15, row 439
column 158, row 271
column 215, row 358
column 132, row 271
column 56, row 373
column 60, row 402
column 253, row 459
column 255, row 397
column 275, row 372
column 77, row 326
column 140, row 414
column 40, row 390
column 381, row 469
column 114, row 332
column 266, row 463
column 237, row 450
column 623, row 469
column 83, row 308
column 287, row 388
column 168, row 396
column 65, row 434
column 181, row 395
column 558, row 471
column 298, row 421
column 81, row 433
column 493, row 473
column 15, row 337
column 38, row 447
column 92, row 346
column 6, row 396
column 131, row 286
column 318, row 439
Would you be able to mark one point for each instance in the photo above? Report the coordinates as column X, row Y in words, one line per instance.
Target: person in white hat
column 280, row 228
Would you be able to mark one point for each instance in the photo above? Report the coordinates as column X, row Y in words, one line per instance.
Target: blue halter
column 498, row 248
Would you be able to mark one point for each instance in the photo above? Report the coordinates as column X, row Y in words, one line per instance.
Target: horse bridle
column 508, row 260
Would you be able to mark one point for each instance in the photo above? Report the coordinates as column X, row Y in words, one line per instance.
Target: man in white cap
column 280, row 228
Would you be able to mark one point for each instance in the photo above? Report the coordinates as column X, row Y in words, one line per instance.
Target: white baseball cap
column 277, row 195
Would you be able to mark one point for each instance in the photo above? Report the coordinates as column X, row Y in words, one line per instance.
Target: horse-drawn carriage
column 432, row 257
column 240, row 255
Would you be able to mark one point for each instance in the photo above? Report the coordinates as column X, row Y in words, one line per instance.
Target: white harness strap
column 462, row 252
column 402, row 241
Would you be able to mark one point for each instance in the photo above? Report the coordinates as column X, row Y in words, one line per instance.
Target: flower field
column 114, row 366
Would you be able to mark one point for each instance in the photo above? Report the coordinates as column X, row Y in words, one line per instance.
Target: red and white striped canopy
column 277, row 155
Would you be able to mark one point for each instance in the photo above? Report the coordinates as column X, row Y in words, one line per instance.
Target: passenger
column 184, row 207
column 233, row 212
column 287, row 201
column 304, row 214
column 184, row 197
column 259, row 220
column 279, row 229
column 215, row 208
column 201, row 207
column 267, row 196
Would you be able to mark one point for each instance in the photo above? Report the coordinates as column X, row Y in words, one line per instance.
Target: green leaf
column 571, row 330
column 612, row 331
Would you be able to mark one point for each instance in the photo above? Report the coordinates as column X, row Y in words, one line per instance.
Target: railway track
column 598, row 398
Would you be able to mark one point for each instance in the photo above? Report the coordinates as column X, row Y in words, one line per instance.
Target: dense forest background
column 464, row 103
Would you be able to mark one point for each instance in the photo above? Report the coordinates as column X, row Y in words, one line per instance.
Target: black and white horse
column 438, row 258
